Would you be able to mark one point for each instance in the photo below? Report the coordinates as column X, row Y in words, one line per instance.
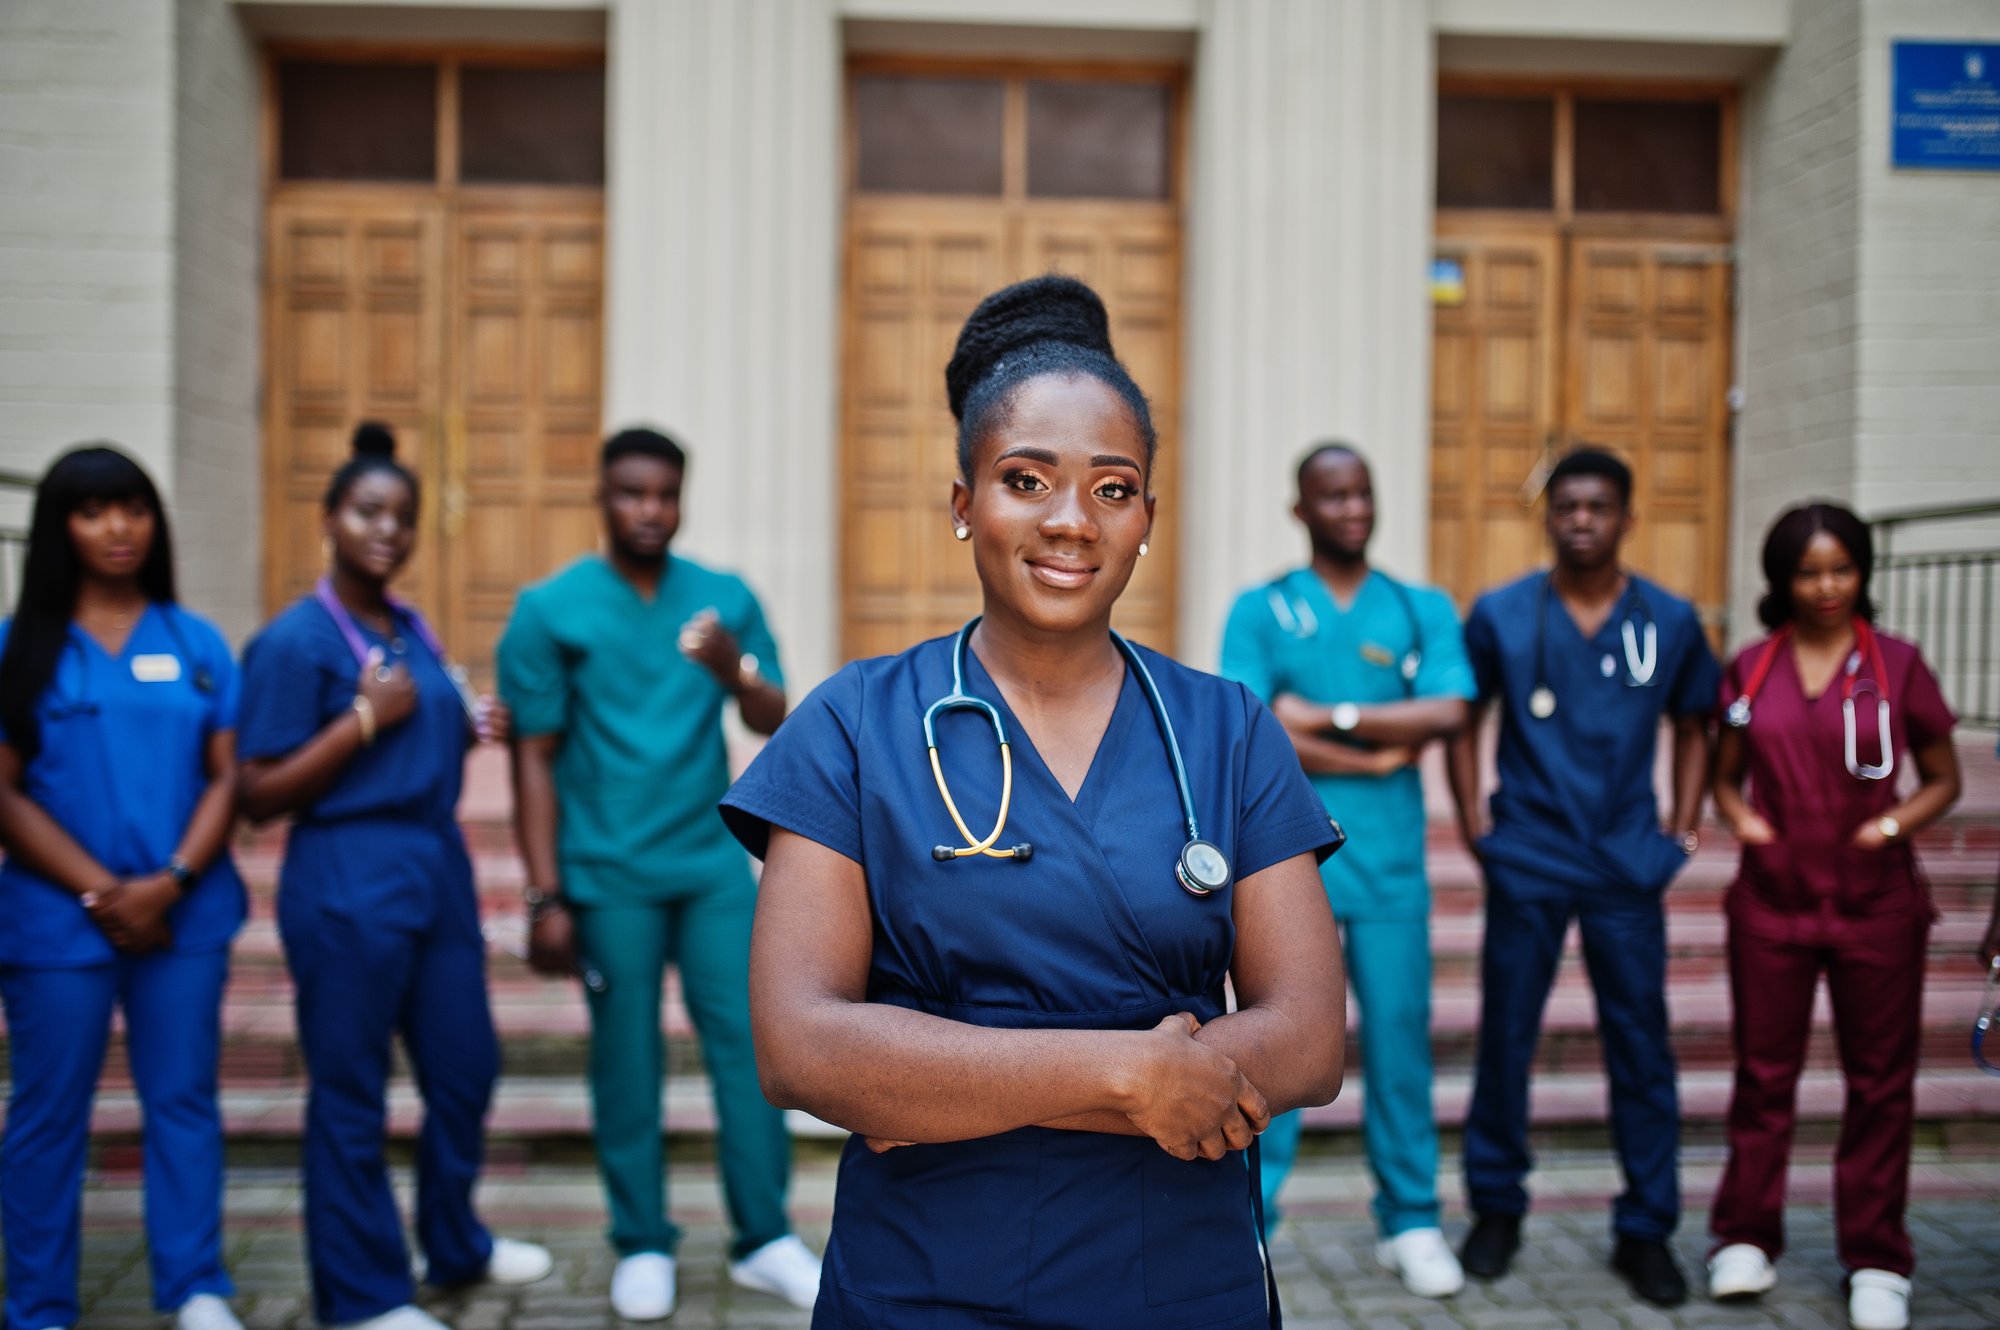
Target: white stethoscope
column 1638, row 633
column 1202, row 868
column 1296, row 618
column 1866, row 650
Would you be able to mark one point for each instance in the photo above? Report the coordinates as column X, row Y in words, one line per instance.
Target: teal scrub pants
column 708, row 938
column 1389, row 967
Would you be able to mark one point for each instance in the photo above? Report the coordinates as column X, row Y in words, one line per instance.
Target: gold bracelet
column 364, row 711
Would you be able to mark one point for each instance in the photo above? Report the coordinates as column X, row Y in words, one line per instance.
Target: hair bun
column 1050, row 308
column 374, row 439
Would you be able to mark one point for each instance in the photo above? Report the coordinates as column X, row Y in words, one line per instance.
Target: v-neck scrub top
column 643, row 759
column 1034, row 1226
column 123, row 763
column 1356, row 655
column 1575, row 802
column 1796, row 778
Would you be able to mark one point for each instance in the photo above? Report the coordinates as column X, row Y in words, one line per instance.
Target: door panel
column 355, row 309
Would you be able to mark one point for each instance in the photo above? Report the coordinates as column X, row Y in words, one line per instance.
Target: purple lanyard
column 323, row 592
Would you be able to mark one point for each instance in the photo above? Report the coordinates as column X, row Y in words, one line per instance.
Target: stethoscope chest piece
column 1542, row 703
column 1738, row 714
column 1202, row 869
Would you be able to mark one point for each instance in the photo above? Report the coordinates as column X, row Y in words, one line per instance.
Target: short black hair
column 1338, row 447
column 1785, row 549
column 1046, row 325
column 640, row 441
column 374, row 449
column 1593, row 462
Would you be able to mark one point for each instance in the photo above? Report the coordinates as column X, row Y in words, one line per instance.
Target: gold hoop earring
column 961, row 533
column 326, row 550
column 1142, row 549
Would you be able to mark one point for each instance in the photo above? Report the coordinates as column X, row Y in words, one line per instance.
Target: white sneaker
column 785, row 1268
column 1878, row 1300
column 642, row 1287
column 406, row 1317
column 1424, row 1260
column 205, row 1311
column 1740, row 1270
column 516, row 1262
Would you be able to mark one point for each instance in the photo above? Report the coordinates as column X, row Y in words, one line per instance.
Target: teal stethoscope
column 1202, row 868
column 1296, row 618
column 1639, row 634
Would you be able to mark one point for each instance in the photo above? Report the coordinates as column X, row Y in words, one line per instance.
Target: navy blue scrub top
column 1051, row 1228
column 1576, row 802
column 383, row 840
column 121, row 768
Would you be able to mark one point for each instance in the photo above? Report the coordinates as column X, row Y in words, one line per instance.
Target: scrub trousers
column 1389, row 967
column 707, row 937
column 58, row 1024
column 1625, row 952
column 1876, row 983
column 358, row 986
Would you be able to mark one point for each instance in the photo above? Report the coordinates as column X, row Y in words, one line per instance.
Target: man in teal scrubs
column 1363, row 671
column 618, row 669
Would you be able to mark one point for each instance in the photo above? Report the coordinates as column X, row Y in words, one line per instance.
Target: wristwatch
column 540, row 902
column 1888, row 826
column 181, row 872
column 1345, row 716
column 1690, row 843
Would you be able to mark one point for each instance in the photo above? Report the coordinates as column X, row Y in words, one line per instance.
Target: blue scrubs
column 1576, row 833
column 380, row 925
column 1037, row 1227
column 1291, row 636
column 121, row 768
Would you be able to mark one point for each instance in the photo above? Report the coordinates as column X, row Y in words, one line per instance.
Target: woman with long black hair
column 356, row 723
column 117, row 775
column 1820, row 718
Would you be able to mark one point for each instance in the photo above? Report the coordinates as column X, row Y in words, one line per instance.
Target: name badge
column 162, row 668
column 1377, row 655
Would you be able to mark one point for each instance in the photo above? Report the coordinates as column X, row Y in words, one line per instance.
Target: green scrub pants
column 708, row 937
column 1389, row 967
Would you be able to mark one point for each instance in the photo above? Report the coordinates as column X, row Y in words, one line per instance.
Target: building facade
column 1462, row 233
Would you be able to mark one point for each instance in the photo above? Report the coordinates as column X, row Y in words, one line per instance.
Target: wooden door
column 354, row 331
column 916, row 264
column 1648, row 365
column 524, row 356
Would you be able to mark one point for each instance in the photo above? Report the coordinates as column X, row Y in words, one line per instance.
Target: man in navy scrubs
column 1583, row 662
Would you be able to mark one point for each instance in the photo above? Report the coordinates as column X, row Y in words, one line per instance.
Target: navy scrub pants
column 58, row 1022
column 1625, row 952
column 358, row 987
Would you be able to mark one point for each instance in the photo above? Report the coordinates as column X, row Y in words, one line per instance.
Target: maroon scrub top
column 1812, row 882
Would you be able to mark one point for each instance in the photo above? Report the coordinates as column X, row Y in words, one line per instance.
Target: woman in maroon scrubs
column 1821, row 719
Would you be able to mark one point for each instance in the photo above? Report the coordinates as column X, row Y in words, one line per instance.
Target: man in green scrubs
column 617, row 670
column 1363, row 671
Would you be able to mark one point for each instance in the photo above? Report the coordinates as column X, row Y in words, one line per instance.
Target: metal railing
column 18, row 493
column 1942, row 595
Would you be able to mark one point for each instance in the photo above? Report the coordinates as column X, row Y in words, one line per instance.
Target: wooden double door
column 472, row 328
column 1563, row 338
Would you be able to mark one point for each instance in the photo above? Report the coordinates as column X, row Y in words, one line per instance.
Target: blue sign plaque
column 1946, row 106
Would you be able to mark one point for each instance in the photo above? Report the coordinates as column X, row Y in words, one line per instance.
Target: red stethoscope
column 1853, row 683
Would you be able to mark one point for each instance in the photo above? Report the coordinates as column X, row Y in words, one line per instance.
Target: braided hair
column 1045, row 325
column 374, row 448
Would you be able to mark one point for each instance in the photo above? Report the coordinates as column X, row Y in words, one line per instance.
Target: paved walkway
column 1325, row 1266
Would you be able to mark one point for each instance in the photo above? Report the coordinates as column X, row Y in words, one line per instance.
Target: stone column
column 1309, row 239
column 721, row 282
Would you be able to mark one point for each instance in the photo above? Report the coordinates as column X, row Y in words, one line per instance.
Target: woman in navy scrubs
column 1807, row 777
column 356, row 723
column 1053, row 1107
column 117, row 770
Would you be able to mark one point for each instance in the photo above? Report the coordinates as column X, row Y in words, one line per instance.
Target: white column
column 721, row 284
column 1309, row 245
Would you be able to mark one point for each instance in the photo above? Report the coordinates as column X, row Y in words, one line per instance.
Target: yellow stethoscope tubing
column 958, row 701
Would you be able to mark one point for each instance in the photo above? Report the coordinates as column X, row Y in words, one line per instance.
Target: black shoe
column 1489, row 1249
column 1650, row 1268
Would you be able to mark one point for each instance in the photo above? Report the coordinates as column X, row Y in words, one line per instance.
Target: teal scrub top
column 643, row 761
column 1291, row 636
